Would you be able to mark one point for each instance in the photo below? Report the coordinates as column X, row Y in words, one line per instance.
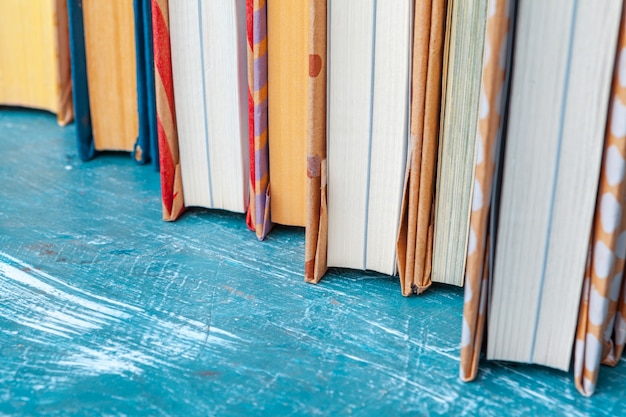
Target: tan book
column 288, row 70
column 415, row 234
column 34, row 56
column 111, row 73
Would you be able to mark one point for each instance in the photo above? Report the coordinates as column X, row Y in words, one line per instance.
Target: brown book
column 416, row 221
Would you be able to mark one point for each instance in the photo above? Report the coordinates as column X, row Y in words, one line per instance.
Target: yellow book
column 111, row 73
column 34, row 56
column 288, row 77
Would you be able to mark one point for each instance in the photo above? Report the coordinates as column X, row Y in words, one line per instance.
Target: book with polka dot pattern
column 558, row 264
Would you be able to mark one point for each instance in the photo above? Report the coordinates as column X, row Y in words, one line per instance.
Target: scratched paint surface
column 107, row 310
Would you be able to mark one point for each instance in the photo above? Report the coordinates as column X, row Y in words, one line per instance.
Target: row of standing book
column 477, row 143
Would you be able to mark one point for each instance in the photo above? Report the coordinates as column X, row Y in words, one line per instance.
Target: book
column 601, row 330
column 558, row 106
column 316, row 231
column 112, row 74
column 209, row 67
column 415, row 235
column 171, row 170
column 258, row 215
column 367, row 138
column 495, row 80
column 287, row 60
column 172, row 196
column 459, row 108
column 34, row 56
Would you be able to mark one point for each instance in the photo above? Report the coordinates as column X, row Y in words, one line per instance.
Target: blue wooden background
column 107, row 310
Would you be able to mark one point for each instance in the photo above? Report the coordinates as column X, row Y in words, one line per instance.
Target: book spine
column 82, row 112
column 141, row 149
column 150, row 84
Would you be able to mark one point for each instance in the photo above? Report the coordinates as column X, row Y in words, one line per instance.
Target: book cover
column 316, row 232
column 169, row 160
column 258, row 215
column 82, row 110
column 601, row 331
column 146, row 148
column 494, row 86
column 415, row 235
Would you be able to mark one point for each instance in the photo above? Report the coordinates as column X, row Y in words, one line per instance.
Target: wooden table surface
column 107, row 310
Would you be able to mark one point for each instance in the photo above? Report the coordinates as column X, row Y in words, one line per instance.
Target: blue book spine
column 141, row 150
column 150, row 82
column 146, row 148
column 80, row 93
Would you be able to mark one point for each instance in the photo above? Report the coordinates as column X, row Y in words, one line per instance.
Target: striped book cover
column 171, row 180
column 258, row 218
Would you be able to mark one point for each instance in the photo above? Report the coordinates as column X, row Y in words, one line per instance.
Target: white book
column 564, row 55
column 369, row 49
column 209, row 66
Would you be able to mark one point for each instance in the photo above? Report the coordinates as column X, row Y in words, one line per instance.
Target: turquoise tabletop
column 107, row 310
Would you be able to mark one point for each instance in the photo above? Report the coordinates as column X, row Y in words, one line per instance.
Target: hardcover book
column 367, row 117
column 112, row 76
column 34, row 56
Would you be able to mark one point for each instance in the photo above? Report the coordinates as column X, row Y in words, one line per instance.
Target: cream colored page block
column 581, row 153
column 187, row 69
column 350, row 75
column 536, row 96
column 29, row 74
column 209, row 65
column 457, row 144
column 111, row 72
column 226, row 96
column 288, row 62
column 389, row 132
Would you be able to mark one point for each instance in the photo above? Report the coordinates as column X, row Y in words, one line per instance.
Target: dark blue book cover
column 146, row 148
column 150, row 82
column 82, row 113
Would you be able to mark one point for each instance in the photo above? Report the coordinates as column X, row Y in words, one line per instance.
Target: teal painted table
column 107, row 310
